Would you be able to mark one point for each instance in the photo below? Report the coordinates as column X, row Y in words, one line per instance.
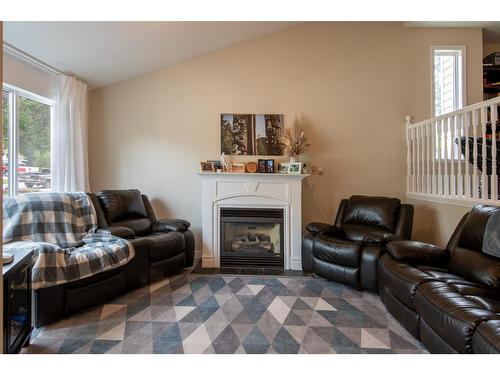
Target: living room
column 307, row 185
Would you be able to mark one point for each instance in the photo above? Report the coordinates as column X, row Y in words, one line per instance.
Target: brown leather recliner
column 348, row 251
column 448, row 298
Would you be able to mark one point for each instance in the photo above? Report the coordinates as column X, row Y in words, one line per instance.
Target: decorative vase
column 294, row 159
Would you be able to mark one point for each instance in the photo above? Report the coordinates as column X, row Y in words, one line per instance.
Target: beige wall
column 489, row 48
column 352, row 83
column 435, row 222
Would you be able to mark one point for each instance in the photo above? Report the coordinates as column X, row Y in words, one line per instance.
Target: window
column 448, row 77
column 26, row 141
column 448, row 93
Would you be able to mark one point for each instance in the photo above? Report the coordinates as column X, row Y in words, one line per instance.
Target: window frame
column 463, row 76
column 13, row 158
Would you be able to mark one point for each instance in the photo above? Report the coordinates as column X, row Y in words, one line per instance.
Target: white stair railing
column 455, row 157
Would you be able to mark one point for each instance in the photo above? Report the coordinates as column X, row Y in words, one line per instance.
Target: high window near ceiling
column 27, row 119
column 448, row 79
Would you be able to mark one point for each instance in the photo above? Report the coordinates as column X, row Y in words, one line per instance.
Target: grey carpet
column 192, row 313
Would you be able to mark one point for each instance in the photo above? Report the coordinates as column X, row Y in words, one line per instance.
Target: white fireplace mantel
column 251, row 190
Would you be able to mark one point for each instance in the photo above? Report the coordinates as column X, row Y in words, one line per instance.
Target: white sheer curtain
column 69, row 164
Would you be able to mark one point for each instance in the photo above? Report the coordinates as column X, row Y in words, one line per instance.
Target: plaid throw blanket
column 60, row 227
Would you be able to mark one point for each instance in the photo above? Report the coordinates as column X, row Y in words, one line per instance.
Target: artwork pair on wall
column 249, row 134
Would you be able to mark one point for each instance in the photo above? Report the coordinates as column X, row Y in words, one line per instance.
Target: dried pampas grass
column 294, row 141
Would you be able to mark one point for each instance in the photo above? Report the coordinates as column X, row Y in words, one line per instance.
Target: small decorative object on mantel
column 207, row 166
column 251, row 167
column 266, row 165
column 217, row 165
column 238, row 167
column 295, row 168
column 294, row 141
column 223, row 160
column 283, row 168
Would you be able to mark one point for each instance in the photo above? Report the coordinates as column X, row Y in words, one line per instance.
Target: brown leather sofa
column 129, row 214
column 448, row 298
column 161, row 247
column 348, row 251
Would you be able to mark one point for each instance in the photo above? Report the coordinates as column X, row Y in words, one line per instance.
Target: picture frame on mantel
column 294, row 168
column 207, row 166
column 266, row 165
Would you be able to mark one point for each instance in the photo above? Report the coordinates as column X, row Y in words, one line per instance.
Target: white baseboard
column 197, row 254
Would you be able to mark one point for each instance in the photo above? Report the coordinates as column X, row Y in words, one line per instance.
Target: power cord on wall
column 315, row 197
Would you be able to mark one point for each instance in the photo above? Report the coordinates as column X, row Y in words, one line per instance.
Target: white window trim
column 463, row 51
column 13, row 157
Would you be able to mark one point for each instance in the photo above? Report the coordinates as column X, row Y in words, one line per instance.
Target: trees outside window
column 26, row 141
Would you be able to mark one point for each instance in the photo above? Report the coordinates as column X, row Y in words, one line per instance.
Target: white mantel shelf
column 254, row 175
column 251, row 190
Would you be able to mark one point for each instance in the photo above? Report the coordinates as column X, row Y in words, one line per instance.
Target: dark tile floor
column 198, row 269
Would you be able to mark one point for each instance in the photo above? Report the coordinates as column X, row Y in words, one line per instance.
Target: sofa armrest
column 380, row 238
column 171, row 225
column 323, row 228
column 417, row 252
column 122, row 232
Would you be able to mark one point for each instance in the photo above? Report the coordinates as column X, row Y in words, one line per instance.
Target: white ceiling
column 491, row 30
column 103, row 53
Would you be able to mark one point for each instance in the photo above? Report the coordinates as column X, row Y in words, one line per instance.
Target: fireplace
column 251, row 237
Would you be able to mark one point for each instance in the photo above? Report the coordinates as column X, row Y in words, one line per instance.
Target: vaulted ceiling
column 103, row 53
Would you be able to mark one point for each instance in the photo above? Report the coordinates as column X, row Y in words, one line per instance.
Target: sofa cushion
column 337, row 251
column 380, row 237
column 141, row 227
column 358, row 232
column 122, row 232
column 486, row 339
column 475, row 266
column 450, row 311
column 121, row 205
column 165, row 245
column 380, row 212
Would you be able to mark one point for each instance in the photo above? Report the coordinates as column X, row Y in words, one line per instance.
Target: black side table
column 17, row 324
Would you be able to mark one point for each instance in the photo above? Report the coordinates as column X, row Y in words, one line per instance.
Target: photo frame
column 261, row 166
column 270, row 166
column 283, row 168
column 207, row 166
column 295, row 168
column 265, row 165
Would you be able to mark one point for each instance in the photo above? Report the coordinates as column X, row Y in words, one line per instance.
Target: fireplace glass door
column 252, row 237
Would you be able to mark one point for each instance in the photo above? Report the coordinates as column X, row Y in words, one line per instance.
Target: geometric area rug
column 191, row 313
